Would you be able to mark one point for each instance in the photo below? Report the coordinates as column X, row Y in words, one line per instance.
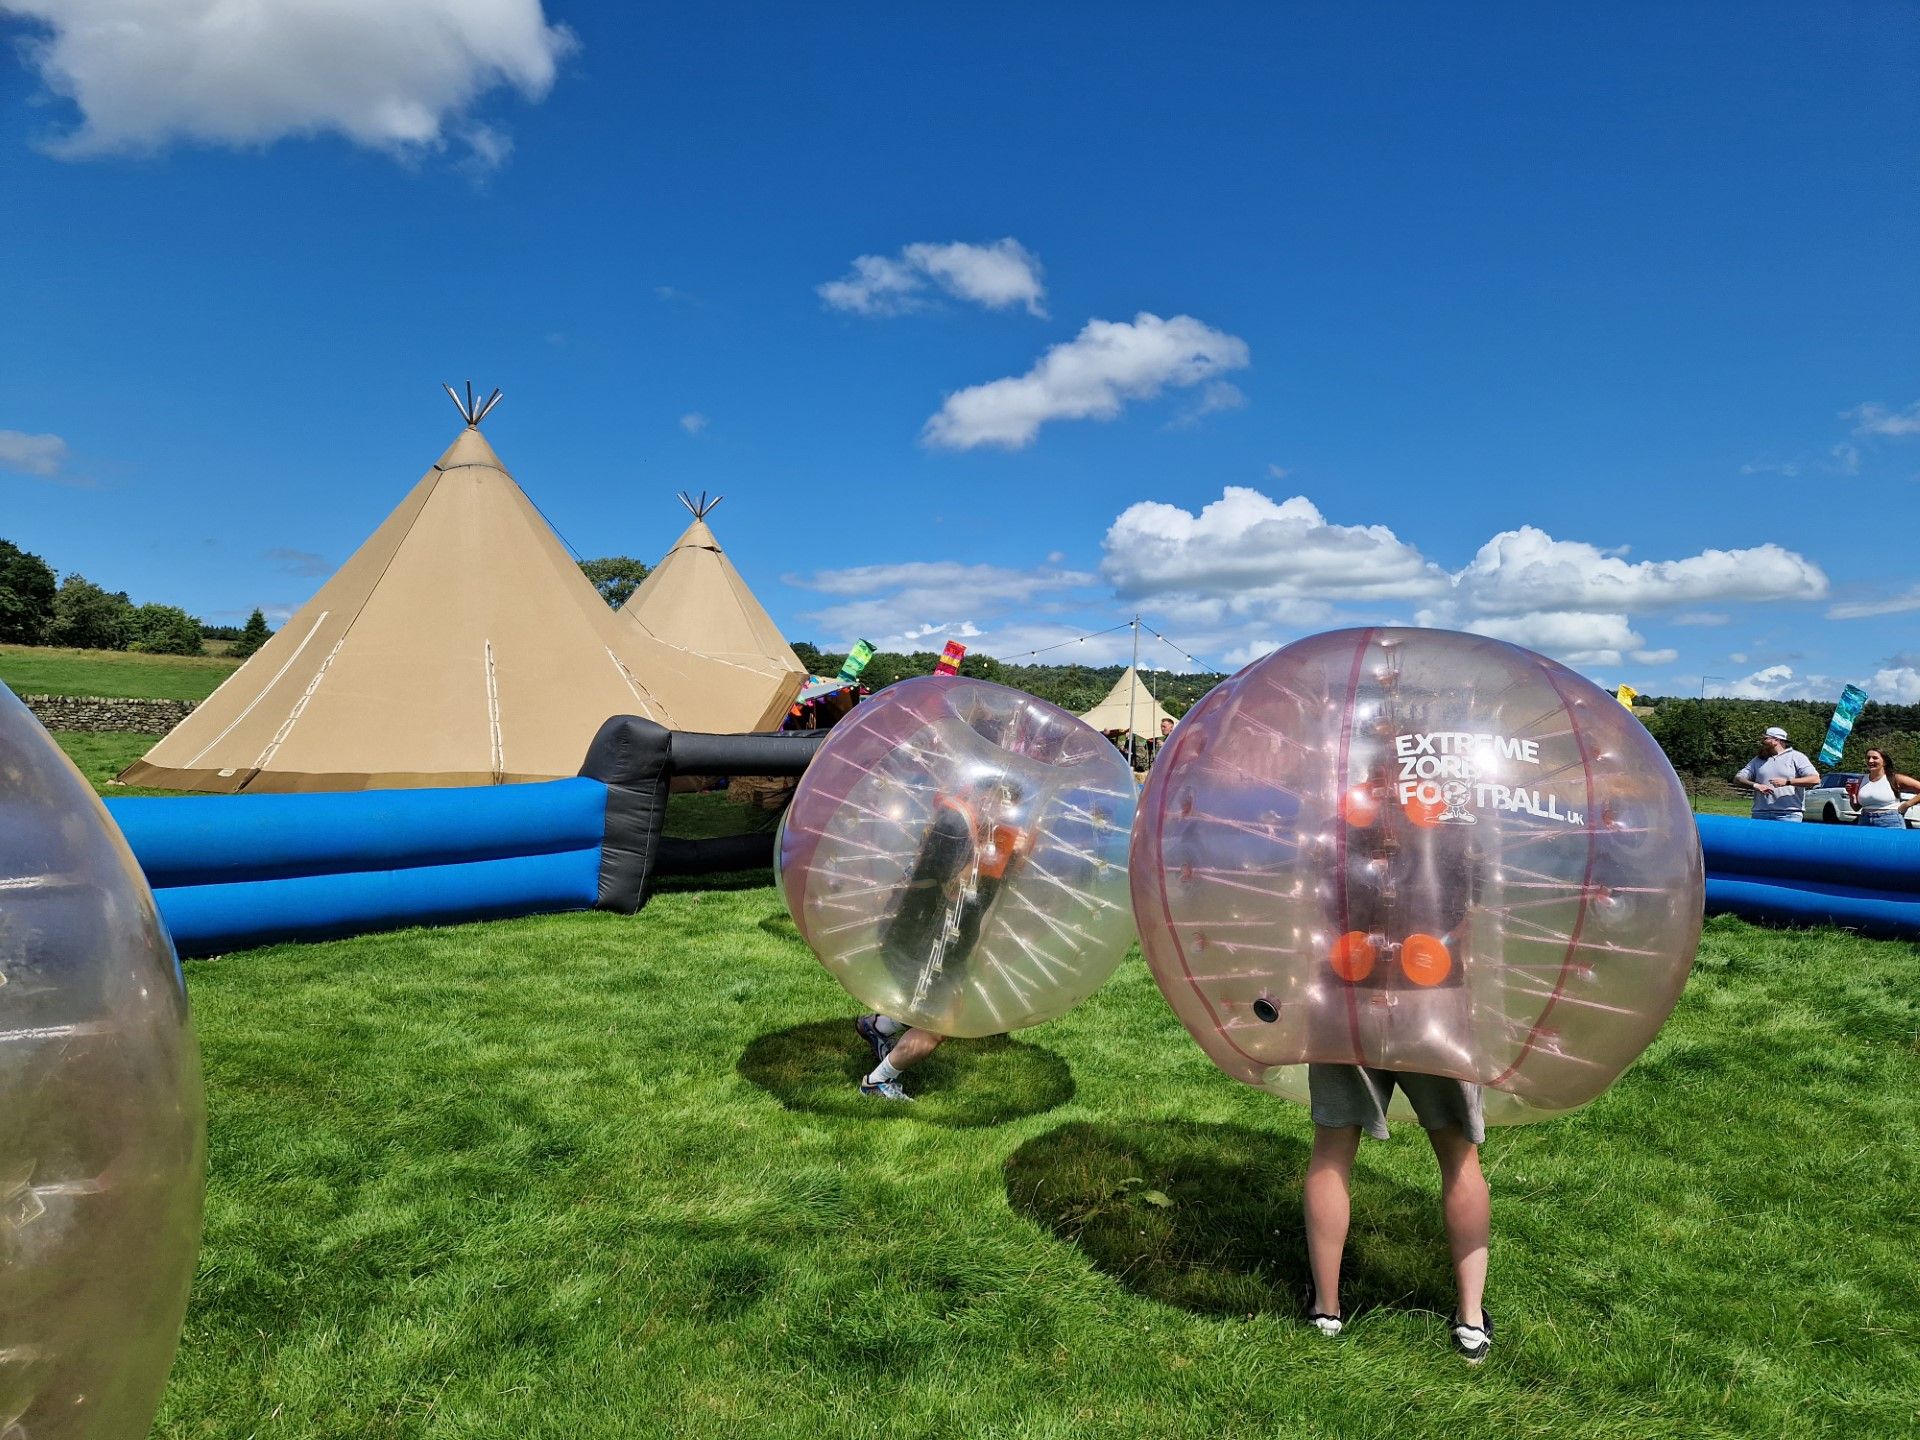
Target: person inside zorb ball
column 956, row 856
column 1410, row 860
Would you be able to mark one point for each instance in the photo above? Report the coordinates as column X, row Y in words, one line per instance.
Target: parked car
column 1831, row 801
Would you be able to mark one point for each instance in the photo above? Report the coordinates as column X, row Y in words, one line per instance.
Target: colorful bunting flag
column 950, row 659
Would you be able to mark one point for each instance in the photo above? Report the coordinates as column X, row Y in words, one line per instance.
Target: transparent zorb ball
column 956, row 854
column 102, row 1121
column 1422, row 851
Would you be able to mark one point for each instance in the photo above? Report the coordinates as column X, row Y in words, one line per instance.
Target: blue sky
column 1594, row 329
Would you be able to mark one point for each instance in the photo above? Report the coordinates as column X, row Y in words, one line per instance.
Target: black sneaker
column 1472, row 1342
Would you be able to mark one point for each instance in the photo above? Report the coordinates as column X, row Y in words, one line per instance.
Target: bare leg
column 1468, row 1208
column 1328, row 1210
column 912, row 1047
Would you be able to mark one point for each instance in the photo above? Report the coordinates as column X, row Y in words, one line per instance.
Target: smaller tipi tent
column 1128, row 705
column 696, row 602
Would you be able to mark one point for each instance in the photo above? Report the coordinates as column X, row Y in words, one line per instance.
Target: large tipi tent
column 459, row 645
column 1129, row 705
column 696, row 602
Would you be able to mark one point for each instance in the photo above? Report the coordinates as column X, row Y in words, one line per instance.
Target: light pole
column 1703, row 683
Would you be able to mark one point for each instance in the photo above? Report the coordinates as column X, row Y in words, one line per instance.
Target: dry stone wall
column 108, row 713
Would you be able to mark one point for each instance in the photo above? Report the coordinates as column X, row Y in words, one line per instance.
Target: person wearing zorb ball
column 1405, row 860
column 956, row 855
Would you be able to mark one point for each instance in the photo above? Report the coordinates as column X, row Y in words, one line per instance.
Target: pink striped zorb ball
column 956, row 854
column 1421, row 851
column 102, row 1125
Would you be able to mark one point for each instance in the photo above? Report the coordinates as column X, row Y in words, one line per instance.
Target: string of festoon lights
column 1136, row 624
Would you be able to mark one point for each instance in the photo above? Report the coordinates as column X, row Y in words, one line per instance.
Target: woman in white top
column 1879, row 799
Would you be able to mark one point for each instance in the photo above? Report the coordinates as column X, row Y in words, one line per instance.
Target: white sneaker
column 1472, row 1342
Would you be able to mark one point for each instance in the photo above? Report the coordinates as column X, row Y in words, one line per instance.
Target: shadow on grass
column 965, row 1083
column 1207, row 1217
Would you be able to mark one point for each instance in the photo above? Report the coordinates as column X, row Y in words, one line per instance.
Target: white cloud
column 877, row 286
column 1576, row 637
column 1248, row 563
column 1090, row 377
column 904, row 605
column 1524, row 570
column 997, row 276
column 1700, row 617
column 1873, row 419
column 1777, row 682
column 1899, row 686
column 1908, row 599
column 1244, row 547
column 1843, row 459
column 693, row 422
column 395, row 75
column 44, row 455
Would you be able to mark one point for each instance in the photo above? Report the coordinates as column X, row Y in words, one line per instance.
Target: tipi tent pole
column 1133, row 690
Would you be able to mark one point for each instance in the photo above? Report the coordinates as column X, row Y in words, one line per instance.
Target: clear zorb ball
column 956, row 854
column 1422, row 851
column 102, row 1121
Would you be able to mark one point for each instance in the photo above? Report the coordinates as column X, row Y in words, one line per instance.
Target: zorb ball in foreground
column 956, row 854
column 1421, row 851
column 102, row 1125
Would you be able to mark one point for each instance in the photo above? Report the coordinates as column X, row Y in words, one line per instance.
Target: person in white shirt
column 1879, row 796
column 1776, row 775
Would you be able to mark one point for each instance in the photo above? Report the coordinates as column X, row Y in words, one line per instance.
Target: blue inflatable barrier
column 1866, row 879
column 1873, row 912
column 209, row 919
column 215, row 840
column 1838, row 854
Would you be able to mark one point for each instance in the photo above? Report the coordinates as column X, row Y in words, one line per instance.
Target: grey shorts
column 1344, row 1095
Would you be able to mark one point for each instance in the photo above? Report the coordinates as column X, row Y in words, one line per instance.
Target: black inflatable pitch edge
column 637, row 760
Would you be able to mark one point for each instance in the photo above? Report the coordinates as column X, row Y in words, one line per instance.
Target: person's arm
column 1905, row 782
column 1805, row 777
column 1743, row 779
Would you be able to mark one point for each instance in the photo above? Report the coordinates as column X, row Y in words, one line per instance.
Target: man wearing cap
column 1776, row 775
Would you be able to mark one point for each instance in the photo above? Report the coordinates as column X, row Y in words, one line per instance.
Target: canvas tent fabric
column 1113, row 712
column 459, row 645
column 696, row 602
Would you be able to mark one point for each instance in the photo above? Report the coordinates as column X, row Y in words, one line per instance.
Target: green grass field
column 593, row 1175
column 40, row 670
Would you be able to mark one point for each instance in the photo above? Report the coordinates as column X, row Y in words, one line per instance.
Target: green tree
column 89, row 618
column 164, row 630
column 616, row 577
column 252, row 636
column 26, row 595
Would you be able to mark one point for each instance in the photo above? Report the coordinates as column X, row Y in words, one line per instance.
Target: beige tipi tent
column 459, row 645
column 696, row 602
column 1141, row 713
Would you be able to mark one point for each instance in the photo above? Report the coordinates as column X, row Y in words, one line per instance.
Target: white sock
column 887, row 1025
column 882, row 1073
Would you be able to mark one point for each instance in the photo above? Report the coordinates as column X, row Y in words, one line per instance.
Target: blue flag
column 1844, row 714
